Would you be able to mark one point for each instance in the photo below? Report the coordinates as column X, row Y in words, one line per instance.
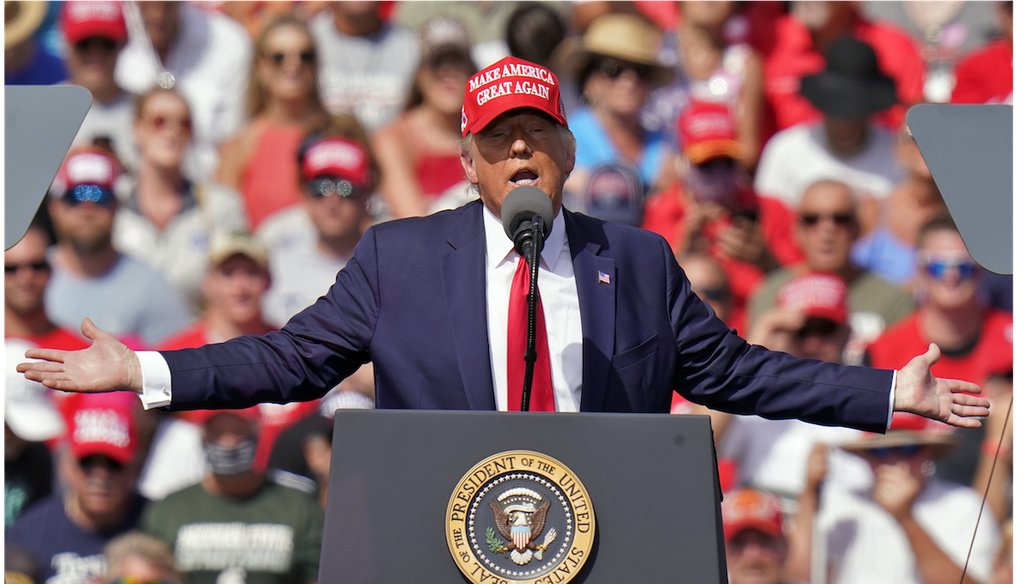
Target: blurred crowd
column 235, row 152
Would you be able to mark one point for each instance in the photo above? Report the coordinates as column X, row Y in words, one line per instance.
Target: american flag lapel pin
column 603, row 278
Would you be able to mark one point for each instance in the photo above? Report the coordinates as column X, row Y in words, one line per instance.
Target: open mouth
column 524, row 178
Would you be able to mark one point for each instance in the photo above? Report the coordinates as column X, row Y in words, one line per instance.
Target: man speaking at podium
column 436, row 304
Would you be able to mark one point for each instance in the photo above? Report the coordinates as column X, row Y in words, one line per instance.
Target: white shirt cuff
column 892, row 399
column 156, row 380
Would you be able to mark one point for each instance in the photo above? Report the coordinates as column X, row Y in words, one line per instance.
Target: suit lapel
column 465, row 286
column 595, row 285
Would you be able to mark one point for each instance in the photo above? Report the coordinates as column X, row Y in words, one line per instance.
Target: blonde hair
column 256, row 98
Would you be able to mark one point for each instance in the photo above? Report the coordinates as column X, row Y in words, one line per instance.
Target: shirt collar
column 499, row 246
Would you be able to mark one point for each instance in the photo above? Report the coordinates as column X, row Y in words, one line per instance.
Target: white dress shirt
column 557, row 285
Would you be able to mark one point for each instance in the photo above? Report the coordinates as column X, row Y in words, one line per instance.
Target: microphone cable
column 988, row 484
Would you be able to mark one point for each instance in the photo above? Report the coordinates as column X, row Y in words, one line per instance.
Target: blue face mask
column 230, row 460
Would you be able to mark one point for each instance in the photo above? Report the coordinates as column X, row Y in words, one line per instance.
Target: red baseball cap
column 82, row 20
column 103, row 423
column 707, row 130
column 818, row 295
column 510, row 84
column 336, row 157
column 750, row 509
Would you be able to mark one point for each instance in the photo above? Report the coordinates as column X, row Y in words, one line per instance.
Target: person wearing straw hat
column 846, row 145
column 615, row 66
column 908, row 526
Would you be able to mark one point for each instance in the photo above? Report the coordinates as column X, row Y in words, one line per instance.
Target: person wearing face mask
column 713, row 210
column 238, row 524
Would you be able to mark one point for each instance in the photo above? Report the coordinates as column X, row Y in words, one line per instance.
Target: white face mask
column 230, row 460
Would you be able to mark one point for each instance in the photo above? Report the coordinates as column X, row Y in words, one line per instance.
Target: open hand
column 946, row 400
column 106, row 365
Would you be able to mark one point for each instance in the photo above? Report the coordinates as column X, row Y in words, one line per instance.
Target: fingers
column 971, row 411
column 40, row 367
column 55, row 355
column 959, row 422
column 957, row 386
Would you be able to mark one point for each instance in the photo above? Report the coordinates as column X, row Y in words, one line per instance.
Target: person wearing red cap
column 237, row 524
column 713, row 210
column 90, row 275
column 99, row 464
column 755, row 544
column 96, row 33
column 427, row 301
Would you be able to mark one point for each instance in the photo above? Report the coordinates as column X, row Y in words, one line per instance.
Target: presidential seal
column 520, row 516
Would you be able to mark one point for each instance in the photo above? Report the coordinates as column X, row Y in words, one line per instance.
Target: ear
column 469, row 165
column 570, row 154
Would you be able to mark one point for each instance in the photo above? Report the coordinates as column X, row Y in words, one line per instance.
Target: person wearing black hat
column 846, row 145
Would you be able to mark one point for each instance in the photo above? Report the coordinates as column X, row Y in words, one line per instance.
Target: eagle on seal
column 519, row 515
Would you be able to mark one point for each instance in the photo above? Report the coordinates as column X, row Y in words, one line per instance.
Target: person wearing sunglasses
column 98, row 469
column 905, row 525
column 615, row 66
column 826, row 228
column 96, row 33
column 91, row 275
column 283, row 103
column 976, row 339
column 167, row 219
column 419, row 151
column 201, row 53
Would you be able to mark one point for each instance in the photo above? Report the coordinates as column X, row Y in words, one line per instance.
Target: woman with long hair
column 283, row 104
column 419, row 151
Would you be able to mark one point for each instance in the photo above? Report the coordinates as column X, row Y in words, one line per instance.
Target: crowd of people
column 235, row 152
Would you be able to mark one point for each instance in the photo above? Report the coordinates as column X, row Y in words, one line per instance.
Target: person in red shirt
column 27, row 272
column 801, row 40
column 976, row 340
column 986, row 75
column 713, row 210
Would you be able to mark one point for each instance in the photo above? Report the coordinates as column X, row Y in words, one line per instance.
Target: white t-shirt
column 796, row 157
column 864, row 544
column 368, row 76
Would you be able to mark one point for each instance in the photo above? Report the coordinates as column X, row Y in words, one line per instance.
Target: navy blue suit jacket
column 413, row 301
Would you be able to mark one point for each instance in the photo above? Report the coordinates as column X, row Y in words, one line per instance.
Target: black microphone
column 520, row 209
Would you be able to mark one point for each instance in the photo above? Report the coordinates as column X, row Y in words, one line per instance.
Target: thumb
column 931, row 356
column 90, row 330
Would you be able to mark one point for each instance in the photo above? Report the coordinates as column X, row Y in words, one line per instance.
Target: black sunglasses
column 106, row 44
column 614, row 68
column 307, row 57
column 840, row 219
column 37, row 267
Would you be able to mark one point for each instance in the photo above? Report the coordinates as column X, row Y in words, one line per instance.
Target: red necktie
column 542, row 396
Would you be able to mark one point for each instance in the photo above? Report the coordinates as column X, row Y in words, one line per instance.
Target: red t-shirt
column 795, row 56
column 986, row 75
column 991, row 354
column 665, row 214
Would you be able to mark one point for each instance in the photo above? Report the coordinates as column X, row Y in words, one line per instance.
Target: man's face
column 754, row 557
column 846, row 137
column 522, row 147
column 91, row 61
column 951, row 277
column 87, row 227
column 26, row 273
column 228, row 430
column 827, row 226
column 101, row 485
column 821, row 339
column 235, row 289
column 336, row 217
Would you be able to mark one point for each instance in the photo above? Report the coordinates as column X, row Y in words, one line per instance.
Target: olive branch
column 493, row 543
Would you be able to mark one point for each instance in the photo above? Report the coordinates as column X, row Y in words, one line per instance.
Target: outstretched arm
column 946, row 400
column 106, row 365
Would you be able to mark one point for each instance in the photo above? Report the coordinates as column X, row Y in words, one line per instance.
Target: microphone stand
column 532, row 256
